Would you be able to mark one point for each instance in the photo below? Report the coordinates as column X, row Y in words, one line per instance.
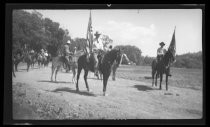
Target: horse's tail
column 153, row 64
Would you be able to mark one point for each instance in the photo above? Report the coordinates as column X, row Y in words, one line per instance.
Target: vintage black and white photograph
column 107, row 64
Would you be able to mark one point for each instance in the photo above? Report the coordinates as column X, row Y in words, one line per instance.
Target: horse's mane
column 109, row 56
column 167, row 57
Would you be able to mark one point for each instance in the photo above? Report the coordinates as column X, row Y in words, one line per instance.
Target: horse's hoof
column 105, row 94
column 89, row 90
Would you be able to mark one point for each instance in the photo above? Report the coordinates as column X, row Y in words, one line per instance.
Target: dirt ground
column 36, row 97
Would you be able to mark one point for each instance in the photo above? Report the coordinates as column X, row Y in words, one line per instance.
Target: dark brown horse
column 104, row 66
column 160, row 68
column 29, row 60
column 16, row 60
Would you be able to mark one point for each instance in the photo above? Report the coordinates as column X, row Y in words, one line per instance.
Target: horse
column 28, row 59
column 34, row 59
column 160, row 68
column 42, row 60
column 16, row 60
column 105, row 64
column 59, row 61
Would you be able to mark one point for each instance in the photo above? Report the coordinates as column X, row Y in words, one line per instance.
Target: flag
column 172, row 47
column 89, row 34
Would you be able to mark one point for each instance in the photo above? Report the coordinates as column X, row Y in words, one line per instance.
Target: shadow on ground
column 143, row 88
column 147, row 77
column 67, row 89
column 94, row 78
column 54, row 81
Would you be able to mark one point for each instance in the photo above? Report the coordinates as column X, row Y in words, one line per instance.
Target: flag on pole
column 89, row 34
column 172, row 47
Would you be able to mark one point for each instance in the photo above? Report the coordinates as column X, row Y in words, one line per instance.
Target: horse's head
column 167, row 57
column 118, row 56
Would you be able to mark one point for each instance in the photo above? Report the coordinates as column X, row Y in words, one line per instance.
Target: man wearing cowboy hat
column 67, row 52
column 161, row 52
column 96, row 47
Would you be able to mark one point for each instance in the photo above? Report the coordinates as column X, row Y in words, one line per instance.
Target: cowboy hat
column 97, row 34
column 162, row 43
column 68, row 42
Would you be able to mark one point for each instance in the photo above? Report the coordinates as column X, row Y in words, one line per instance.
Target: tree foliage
column 106, row 41
column 133, row 53
column 189, row 60
column 34, row 32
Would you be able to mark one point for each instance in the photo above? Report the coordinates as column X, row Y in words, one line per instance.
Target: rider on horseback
column 67, row 52
column 97, row 46
column 160, row 53
column 42, row 52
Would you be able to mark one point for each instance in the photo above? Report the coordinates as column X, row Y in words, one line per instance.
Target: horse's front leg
column 161, row 77
column 56, row 72
column 156, row 76
column 53, row 69
column 85, row 78
column 113, row 73
column 74, row 73
column 105, row 80
column 28, row 65
column 78, row 74
column 166, row 81
column 16, row 65
column 153, row 75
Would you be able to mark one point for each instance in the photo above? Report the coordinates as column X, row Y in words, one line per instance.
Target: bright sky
column 143, row 28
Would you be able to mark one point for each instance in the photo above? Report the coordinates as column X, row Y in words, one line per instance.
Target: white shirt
column 161, row 51
column 98, row 44
column 46, row 54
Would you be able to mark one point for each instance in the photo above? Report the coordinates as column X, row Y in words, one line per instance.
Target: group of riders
column 97, row 47
column 42, row 57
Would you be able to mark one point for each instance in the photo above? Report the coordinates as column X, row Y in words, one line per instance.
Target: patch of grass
column 181, row 77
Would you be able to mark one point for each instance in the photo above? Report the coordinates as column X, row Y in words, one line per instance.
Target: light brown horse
column 59, row 61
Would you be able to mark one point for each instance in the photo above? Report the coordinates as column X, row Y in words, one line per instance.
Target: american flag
column 89, row 34
column 172, row 47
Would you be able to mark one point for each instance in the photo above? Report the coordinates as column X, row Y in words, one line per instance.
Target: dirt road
column 36, row 97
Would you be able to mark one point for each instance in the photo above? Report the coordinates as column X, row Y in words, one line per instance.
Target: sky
column 144, row 28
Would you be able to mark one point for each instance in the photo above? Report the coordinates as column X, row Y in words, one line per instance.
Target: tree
column 106, row 41
column 32, row 30
column 133, row 53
